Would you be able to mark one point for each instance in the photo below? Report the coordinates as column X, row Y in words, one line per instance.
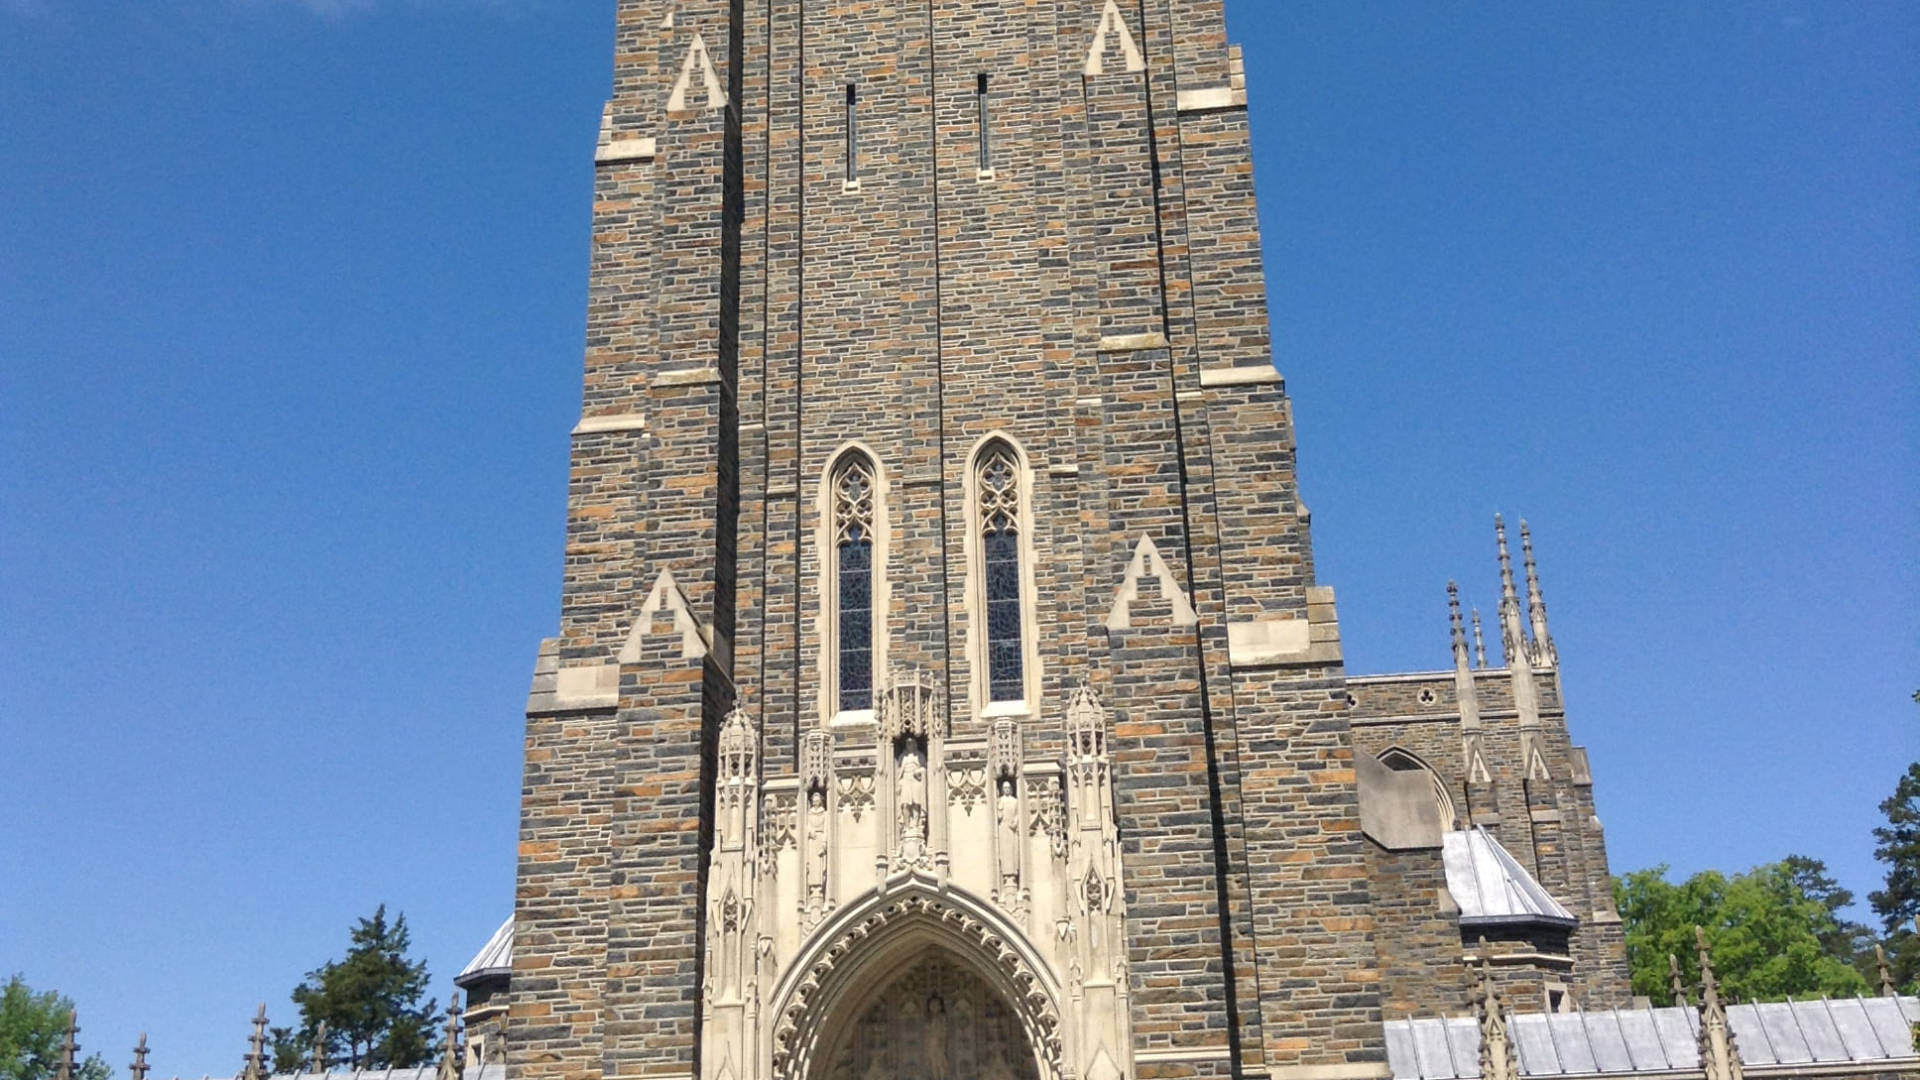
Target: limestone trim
column 1112, row 24
column 980, row 701
column 1241, row 376
column 828, row 522
column 697, row 59
column 1212, row 99
column 594, row 425
column 1183, row 1053
column 666, row 598
column 1147, row 562
column 1133, row 342
column 834, row 977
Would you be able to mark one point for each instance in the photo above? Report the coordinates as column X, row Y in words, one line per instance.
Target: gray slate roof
column 1852, row 1031
column 494, row 1071
column 1490, row 885
column 494, row 958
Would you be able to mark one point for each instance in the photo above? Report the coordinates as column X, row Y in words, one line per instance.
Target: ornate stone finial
column 1513, row 637
column 257, row 1066
column 1719, row 1052
column 1541, row 650
column 69, row 1048
column 1479, row 642
column 1887, row 988
column 452, row 1059
column 139, row 1069
column 1675, row 982
column 318, row 1061
column 1497, row 1061
column 1455, row 627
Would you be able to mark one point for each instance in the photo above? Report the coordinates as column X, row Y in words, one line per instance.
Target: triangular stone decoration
column 709, row 79
column 1111, row 23
column 1477, row 771
column 666, row 597
column 1147, row 560
column 1537, row 766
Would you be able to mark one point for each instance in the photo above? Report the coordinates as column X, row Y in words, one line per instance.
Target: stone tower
column 942, row 684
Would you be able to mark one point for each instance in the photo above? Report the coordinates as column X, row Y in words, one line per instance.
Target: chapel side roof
column 495, row 958
column 1786, row 1038
column 1490, row 886
column 492, row 1071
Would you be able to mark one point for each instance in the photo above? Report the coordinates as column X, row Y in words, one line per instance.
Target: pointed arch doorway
column 921, row 982
column 933, row 1019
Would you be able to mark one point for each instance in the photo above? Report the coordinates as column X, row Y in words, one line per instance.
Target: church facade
column 943, row 687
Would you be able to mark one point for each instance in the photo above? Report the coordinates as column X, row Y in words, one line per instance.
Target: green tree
column 370, row 1002
column 1897, row 844
column 33, row 1031
column 1770, row 938
column 1845, row 940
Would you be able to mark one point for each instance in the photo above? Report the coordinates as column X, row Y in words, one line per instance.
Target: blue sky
column 291, row 298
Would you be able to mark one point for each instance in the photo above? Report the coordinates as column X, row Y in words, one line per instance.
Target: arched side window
column 851, row 596
column 1401, row 761
column 1002, row 626
column 1000, row 564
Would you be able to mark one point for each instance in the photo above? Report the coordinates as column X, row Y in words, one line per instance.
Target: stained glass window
column 999, row 484
column 853, row 583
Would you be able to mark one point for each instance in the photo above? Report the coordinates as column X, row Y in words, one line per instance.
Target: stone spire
column 69, row 1048
column 452, row 1060
column 1887, row 988
column 1459, row 632
column 317, row 1058
column 257, row 1066
column 1479, row 642
column 139, row 1069
column 1497, row 1061
column 1719, row 1052
column 1675, row 982
column 1513, row 636
column 1541, row 650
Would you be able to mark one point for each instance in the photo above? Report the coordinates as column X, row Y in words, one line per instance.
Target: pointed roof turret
column 1479, row 642
column 1542, row 650
column 1674, row 982
column 452, row 1061
column 69, row 1048
column 139, row 1069
column 1719, row 1052
column 1887, row 988
column 257, row 1067
column 1458, row 631
column 1497, row 1059
column 317, row 1057
column 1513, row 636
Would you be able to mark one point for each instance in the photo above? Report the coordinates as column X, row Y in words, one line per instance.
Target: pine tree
column 370, row 1002
column 1897, row 844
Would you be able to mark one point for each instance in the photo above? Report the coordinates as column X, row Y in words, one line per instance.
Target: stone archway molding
column 821, row 992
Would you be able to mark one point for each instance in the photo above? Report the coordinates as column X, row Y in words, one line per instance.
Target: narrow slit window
column 853, row 133
column 853, row 502
column 986, row 128
column 999, row 483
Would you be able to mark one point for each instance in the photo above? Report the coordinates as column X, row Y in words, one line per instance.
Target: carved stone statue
column 935, row 1040
column 1009, row 827
column 910, row 801
column 816, row 849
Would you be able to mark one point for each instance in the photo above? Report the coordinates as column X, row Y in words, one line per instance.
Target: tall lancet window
column 853, row 515
column 998, row 478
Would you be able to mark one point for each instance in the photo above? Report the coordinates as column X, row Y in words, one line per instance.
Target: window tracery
column 998, row 480
column 853, row 592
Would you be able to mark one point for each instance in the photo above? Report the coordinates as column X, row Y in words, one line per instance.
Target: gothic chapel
column 943, row 690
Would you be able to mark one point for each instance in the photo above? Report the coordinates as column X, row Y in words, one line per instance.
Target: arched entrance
column 921, row 982
column 934, row 1020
